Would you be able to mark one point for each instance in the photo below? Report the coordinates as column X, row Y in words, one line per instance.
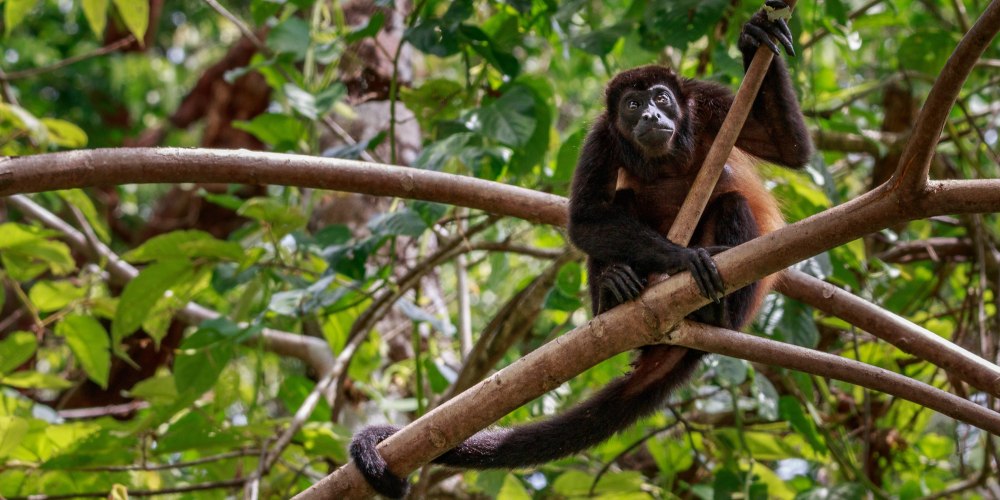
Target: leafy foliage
column 497, row 90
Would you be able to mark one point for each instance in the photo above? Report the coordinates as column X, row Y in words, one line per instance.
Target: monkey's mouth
column 655, row 134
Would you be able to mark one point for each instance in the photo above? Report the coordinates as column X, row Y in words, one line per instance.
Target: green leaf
column 403, row 222
column 83, row 203
column 577, row 483
column 283, row 132
column 135, row 14
column 437, row 99
column 936, row 446
column 509, row 119
column 600, row 42
column 678, row 23
column 143, row 292
column 65, row 134
column 282, row 218
column 17, row 348
column 570, row 279
column 190, row 244
column 791, row 410
column 218, row 330
column 13, row 430
column 512, row 489
column 161, row 389
column 50, row 296
column 569, row 154
column 35, row 380
column 90, row 344
column 26, row 253
column 197, row 371
column 14, row 11
column 96, row 12
column 291, row 36
column 368, row 30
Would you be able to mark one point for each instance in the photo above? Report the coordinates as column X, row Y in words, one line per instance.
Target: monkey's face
column 649, row 118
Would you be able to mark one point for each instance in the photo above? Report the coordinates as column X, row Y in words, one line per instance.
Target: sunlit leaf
column 90, row 345
column 96, row 12
column 135, row 14
column 143, row 292
column 190, row 244
column 65, row 134
column 14, row 11
column 15, row 349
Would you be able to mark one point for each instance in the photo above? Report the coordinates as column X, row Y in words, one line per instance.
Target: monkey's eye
column 662, row 98
column 633, row 104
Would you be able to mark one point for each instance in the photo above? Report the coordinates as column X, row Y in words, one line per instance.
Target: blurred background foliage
column 103, row 389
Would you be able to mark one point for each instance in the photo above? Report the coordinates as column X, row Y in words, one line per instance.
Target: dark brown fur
column 624, row 200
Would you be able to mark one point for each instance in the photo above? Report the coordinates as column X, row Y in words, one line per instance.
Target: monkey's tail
column 657, row 371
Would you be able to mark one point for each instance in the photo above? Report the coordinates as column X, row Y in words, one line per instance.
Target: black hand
column 622, row 282
column 760, row 29
column 705, row 274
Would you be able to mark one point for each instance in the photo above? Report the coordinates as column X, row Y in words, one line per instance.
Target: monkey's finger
column 761, row 36
column 614, row 291
column 631, row 274
column 713, row 272
column 702, row 279
column 784, row 35
column 622, row 285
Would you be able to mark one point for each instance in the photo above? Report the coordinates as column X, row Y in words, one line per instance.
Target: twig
column 315, row 352
column 894, row 329
column 213, row 485
column 915, row 162
column 33, row 72
column 240, row 25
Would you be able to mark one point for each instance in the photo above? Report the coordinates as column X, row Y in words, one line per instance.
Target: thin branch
column 33, row 72
column 240, row 25
column 147, row 467
column 762, row 350
column 213, row 485
column 708, row 175
column 101, row 167
column 313, row 351
column 823, row 32
column 915, row 162
column 894, row 329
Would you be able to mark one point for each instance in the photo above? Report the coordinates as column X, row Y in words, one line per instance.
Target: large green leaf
column 135, row 14
column 14, row 11
column 15, row 349
column 142, row 293
column 189, row 244
column 49, row 296
column 509, row 119
column 90, row 344
column 96, row 12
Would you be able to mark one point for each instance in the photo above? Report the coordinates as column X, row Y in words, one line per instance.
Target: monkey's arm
column 605, row 231
column 775, row 130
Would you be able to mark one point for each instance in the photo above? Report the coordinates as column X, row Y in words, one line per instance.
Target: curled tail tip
column 371, row 464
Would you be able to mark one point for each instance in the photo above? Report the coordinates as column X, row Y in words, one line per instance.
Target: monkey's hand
column 767, row 22
column 618, row 283
column 699, row 261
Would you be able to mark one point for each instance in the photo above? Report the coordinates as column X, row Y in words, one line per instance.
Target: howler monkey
column 635, row 169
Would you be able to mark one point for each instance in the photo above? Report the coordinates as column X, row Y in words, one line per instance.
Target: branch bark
column 915, row 163
column 887, row 326
column 106, row 167
column 672, row 298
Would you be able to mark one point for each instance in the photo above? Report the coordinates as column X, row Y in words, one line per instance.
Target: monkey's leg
column 730, row 222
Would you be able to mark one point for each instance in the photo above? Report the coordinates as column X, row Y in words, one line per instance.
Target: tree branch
column 106, row 167
column 915, row 162
column 897, row 331
column 313, row 351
